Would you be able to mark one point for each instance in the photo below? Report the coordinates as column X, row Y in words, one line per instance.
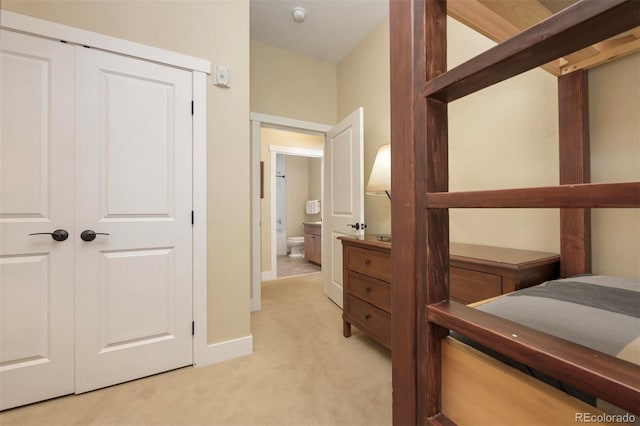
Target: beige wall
column 486, row 142
column 614, row 92
column 363, row 81
column 217, row 31
column 315, row 186
column 289, row 85
column 276, row 137
column 503, row 136
column 507, row 136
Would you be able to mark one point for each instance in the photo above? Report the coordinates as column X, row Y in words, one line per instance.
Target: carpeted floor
column 302, row 372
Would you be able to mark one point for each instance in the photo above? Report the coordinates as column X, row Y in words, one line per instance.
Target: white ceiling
column 332, row 28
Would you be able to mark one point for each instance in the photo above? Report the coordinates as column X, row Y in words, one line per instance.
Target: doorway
column 343, row 193
column 293, row 181
column 297, row 197
column 264, row 151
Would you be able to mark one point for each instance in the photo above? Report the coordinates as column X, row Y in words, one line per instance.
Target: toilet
column 295, row 246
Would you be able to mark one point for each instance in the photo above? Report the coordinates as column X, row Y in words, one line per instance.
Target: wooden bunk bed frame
column 421, row 89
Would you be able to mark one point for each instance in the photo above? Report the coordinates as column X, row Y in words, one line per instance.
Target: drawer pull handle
column 368, row 289
column 367, row 316
column 367, row 262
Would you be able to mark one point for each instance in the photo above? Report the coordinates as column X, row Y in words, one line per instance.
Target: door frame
column 285, row 150
column 258, row 121
column 202, row 353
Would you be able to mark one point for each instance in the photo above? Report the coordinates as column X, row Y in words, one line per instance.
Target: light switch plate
column 221, row 76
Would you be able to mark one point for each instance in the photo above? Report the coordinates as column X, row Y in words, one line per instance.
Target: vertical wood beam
column 405, row 215
column 575, row 224
column 417, row 28
column 434, row 154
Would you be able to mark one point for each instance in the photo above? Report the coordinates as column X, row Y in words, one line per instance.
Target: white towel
column 313, row 207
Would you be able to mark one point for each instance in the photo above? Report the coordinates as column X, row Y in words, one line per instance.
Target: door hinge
column 192, row 107
column 193, row 328
column 192, row 217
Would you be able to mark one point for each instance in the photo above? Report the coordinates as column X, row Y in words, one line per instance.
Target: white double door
column 91, row 141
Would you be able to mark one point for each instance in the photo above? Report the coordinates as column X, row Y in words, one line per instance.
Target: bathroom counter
column 312, row 223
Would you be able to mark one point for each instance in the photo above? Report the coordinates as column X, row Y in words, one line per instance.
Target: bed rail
column 574, row 28
column 601, row 375
column 421, row 90
column 584, row 195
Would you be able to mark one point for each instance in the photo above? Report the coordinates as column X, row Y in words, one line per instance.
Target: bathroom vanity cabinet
column 313, row 242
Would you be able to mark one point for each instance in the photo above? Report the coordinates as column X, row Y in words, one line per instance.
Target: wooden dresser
column 366, row 287
column 476, row 273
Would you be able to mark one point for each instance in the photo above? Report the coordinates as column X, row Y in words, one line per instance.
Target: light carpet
column 302, row 372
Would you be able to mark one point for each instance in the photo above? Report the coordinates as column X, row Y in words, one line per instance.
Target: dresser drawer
column 467, row 286
column 371, row 320
column 370, row 290
column 369, row 262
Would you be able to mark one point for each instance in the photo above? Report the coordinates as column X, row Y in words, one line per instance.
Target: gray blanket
column 597, row 311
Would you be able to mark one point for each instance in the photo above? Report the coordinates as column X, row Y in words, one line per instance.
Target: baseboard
column 224, row 351
column 267, row 276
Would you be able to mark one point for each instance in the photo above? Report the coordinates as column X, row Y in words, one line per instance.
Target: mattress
column 597, row 311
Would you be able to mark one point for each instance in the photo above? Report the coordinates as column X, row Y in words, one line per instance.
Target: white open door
column 36, row 197
column 343, row 196
column 134, row 190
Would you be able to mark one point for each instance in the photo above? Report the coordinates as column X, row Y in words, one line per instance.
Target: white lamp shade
column 380, row 178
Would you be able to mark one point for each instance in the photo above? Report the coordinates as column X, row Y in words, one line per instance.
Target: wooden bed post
column 575, row 224
column 434, row 127
column 406, row 217
column 420, row 237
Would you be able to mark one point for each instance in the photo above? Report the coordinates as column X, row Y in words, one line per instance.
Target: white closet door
column 36, row 196
column 133, row 160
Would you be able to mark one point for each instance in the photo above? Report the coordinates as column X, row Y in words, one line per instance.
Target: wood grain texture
column 500, row 257
column 515, row 397
column 433, row 154
column 625, row 194
column 420, row 175
column 575, row 224
column 598, row 374
column 611, row 53
column 572, row 29
column 367, row 289
column 406, row 185
column 440, row 420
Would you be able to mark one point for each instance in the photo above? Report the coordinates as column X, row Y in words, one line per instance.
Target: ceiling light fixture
column 298, row 13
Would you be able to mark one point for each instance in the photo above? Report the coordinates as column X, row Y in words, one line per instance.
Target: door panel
column 342, row 198
column 139, row 147
column 25, row 119
column 123, row 323
column 25, row 311
column 134, row 284
column 344, row 192
column 36, row 196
